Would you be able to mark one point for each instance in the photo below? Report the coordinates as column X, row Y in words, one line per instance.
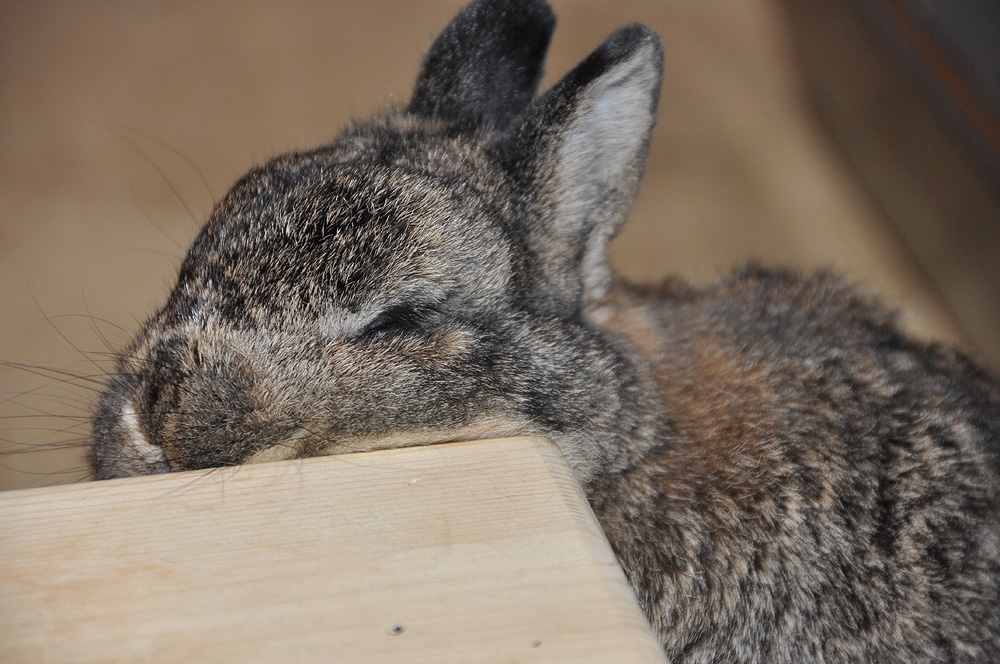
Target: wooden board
column 470, row 552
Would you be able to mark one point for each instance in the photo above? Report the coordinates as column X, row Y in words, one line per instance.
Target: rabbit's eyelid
column 397, row 317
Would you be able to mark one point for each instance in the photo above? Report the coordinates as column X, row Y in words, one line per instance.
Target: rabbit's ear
column 581, row 151
column 485, row 65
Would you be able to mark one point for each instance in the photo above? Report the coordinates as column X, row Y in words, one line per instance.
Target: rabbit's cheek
column 454, row 343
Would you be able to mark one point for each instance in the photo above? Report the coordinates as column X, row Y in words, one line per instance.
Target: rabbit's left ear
column 485, row 65
column 579, row 153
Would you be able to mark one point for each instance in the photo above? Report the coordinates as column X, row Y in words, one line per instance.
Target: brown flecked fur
column 783, row 474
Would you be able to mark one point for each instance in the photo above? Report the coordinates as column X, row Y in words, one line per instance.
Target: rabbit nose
column 122, row 445
column 137, row 442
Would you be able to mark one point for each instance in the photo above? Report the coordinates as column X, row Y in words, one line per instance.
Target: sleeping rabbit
column 784, row 475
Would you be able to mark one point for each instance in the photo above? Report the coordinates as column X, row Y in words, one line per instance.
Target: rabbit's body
column 822, row 488
column 783, row 475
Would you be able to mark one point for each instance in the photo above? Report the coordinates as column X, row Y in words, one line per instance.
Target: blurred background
column 802, row 132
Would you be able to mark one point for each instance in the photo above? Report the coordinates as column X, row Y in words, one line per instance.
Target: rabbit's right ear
column 485, row 65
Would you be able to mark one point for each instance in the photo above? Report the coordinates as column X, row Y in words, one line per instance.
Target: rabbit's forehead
column 343, row 242
column 399, row 234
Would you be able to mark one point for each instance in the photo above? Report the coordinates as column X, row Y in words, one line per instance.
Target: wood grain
column 471, row 552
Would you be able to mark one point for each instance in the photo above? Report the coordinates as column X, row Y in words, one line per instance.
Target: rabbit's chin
column 308, row 445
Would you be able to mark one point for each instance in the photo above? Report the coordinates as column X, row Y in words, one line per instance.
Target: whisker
column 163, row 175
column 72, row 380
column 39, row 369
column 67, row 476
column 190, row 162
column 92, row 320
column 60, row 332
column 15, row 450
column 65, row 399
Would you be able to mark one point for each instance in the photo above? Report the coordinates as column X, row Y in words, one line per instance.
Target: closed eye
column 397, row 320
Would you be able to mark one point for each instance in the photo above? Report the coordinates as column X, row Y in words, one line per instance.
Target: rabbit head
column 434, row 274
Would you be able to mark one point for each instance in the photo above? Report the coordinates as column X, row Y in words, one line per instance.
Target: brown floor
column 121, row 123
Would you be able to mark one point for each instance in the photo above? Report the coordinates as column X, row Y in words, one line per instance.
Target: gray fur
column 783, row 474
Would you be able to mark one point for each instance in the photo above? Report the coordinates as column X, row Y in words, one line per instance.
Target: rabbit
column 783, row 474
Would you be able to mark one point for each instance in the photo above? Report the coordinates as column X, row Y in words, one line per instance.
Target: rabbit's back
column 825, row 487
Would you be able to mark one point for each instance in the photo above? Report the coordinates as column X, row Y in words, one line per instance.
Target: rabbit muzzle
column 221, row 397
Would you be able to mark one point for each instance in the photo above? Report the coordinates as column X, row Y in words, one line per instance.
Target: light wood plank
column 477, row 552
